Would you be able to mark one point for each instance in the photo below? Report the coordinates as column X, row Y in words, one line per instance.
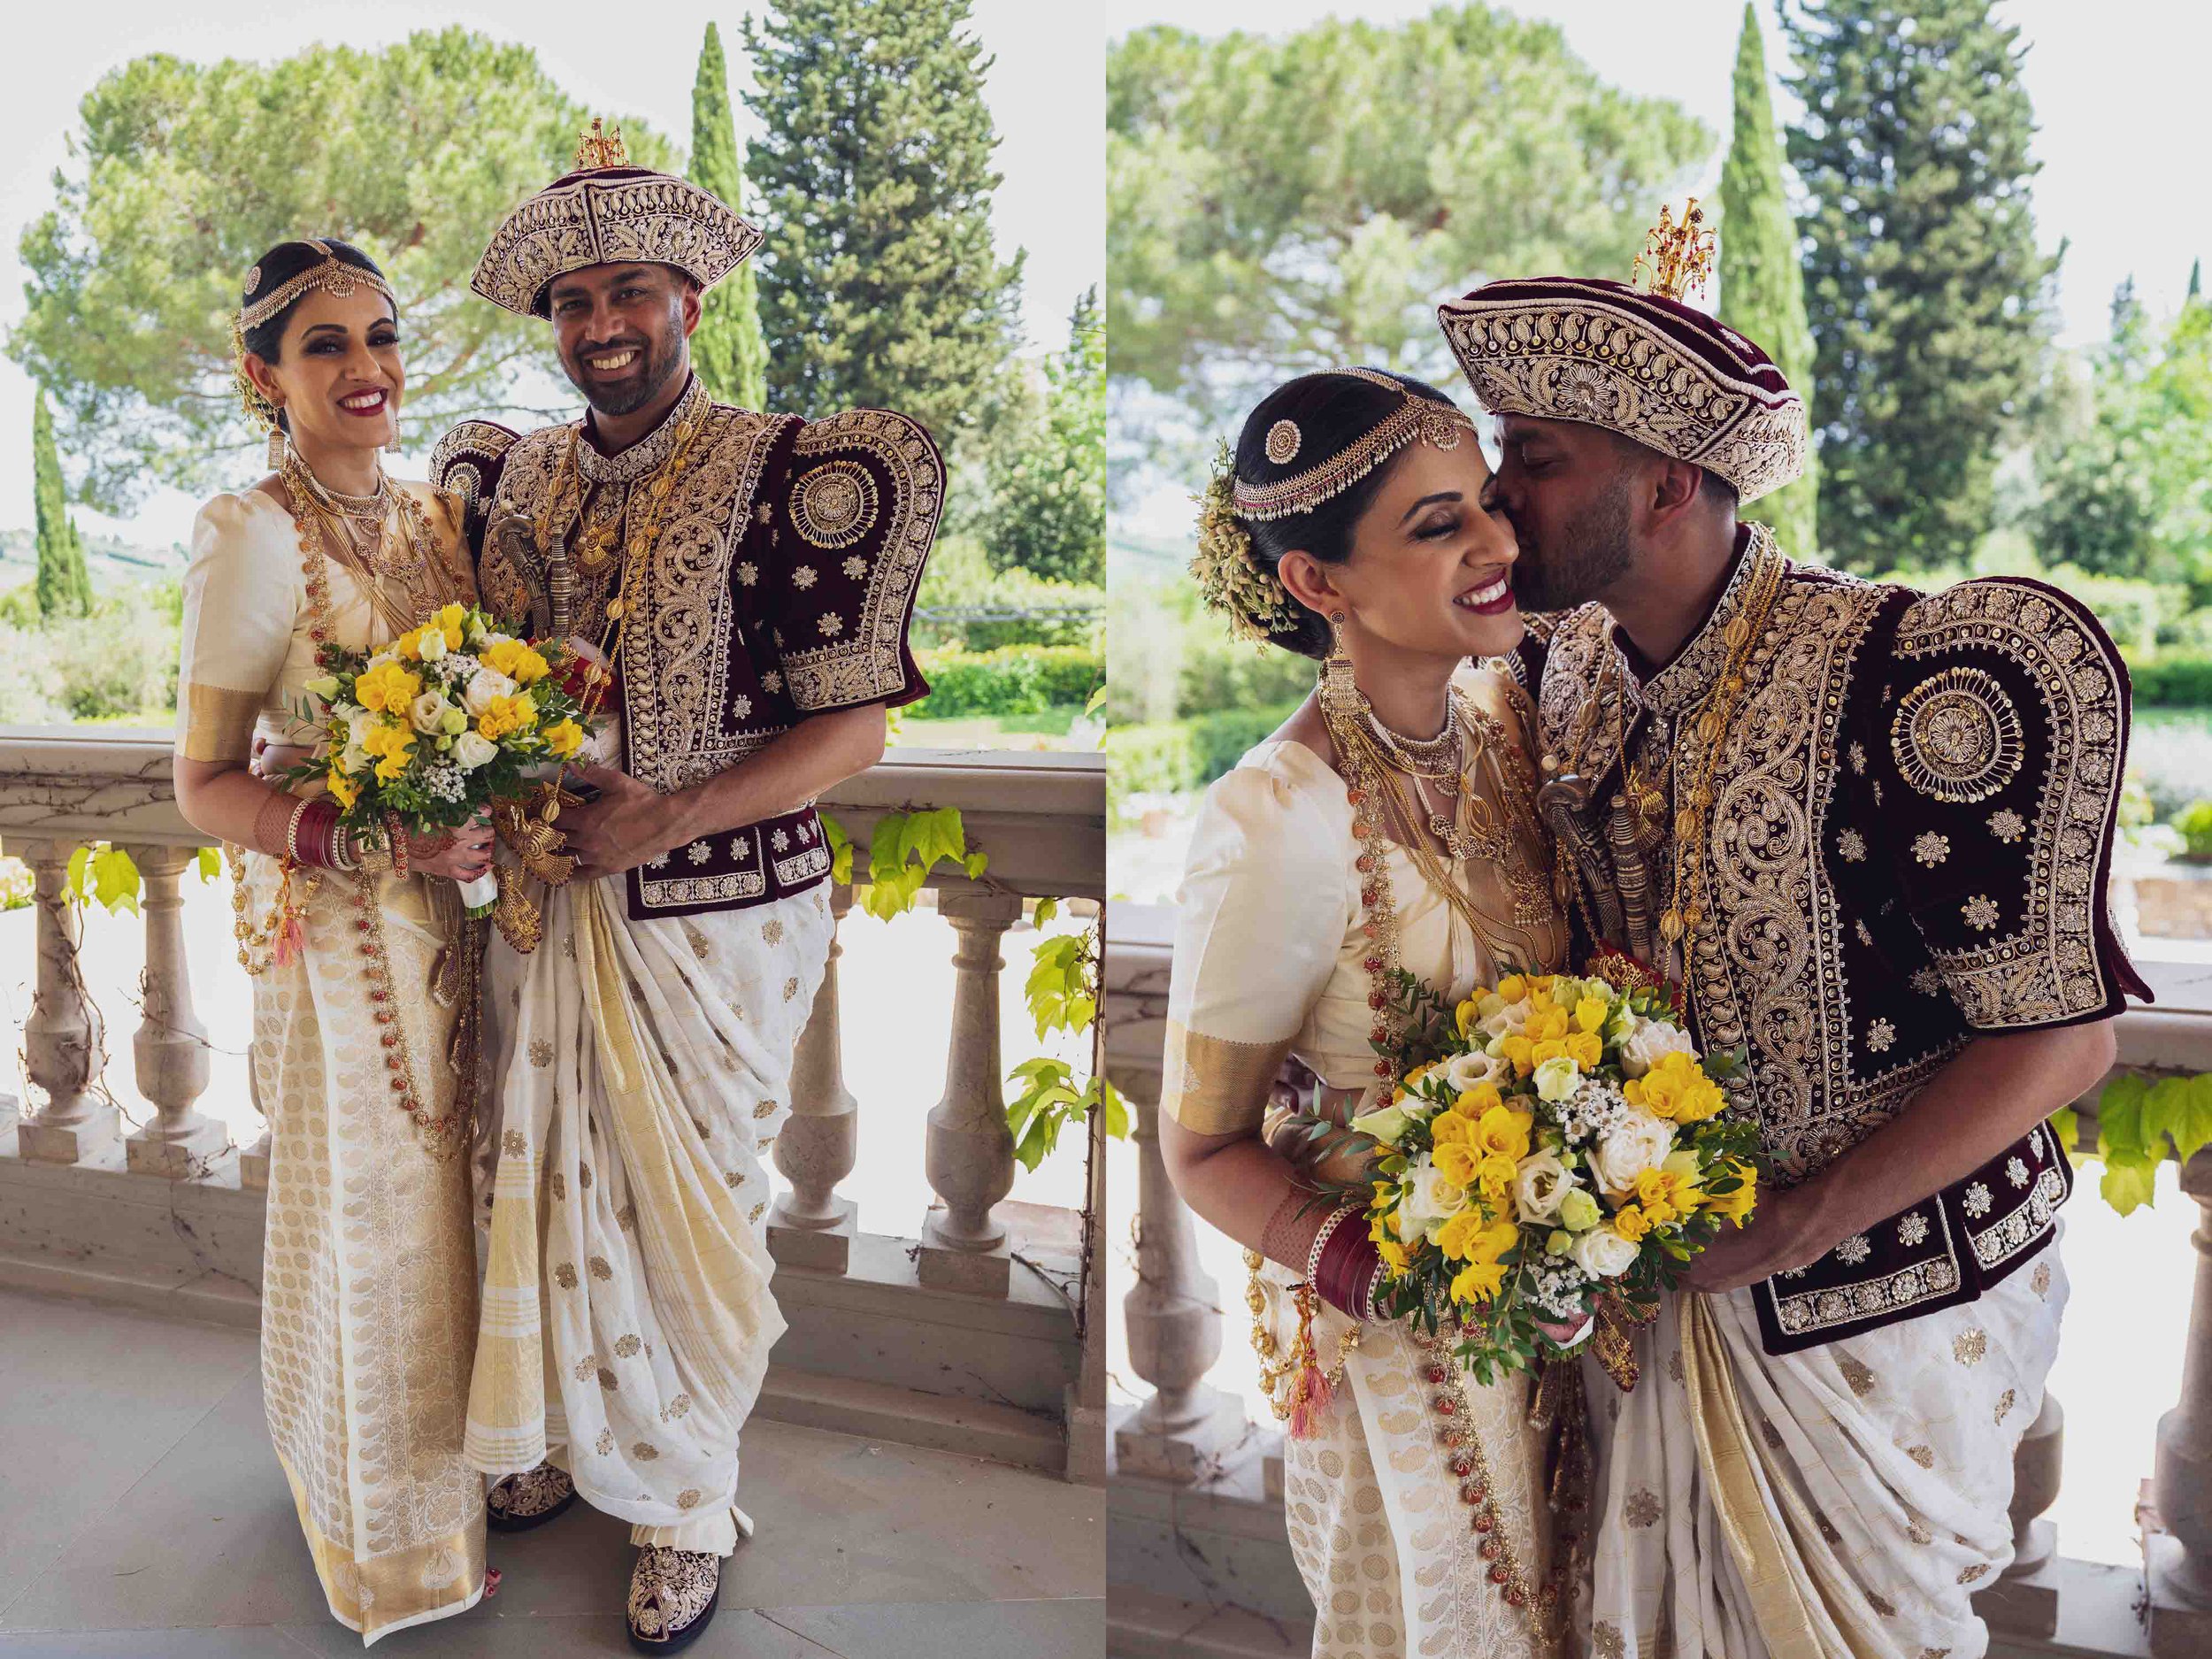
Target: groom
column 1868, row 830
column 750, row 577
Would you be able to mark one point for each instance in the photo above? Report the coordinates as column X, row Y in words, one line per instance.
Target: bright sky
column 1047, row 94
column 2117, row 89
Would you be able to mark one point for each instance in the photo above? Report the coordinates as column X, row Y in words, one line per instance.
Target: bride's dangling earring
column 277, row 441
column 1340, row 693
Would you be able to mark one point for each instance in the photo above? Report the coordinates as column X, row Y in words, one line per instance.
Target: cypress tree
column 2196, row 280
column 65, row 586
column 1048, row 514
column 727, row 348
column 1762, row 287
column 1923, row 284
column 878, row 283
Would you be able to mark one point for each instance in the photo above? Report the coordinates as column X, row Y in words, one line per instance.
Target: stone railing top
column 1041, row 816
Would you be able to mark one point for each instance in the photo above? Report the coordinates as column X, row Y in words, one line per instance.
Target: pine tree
column 65, row 586
column 878, row 283
column 1762, row 287
column 728, row 348
column 1923, row 284
column 1047, row 512
column 2196, row 280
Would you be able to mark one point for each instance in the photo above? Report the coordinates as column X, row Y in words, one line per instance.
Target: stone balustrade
column 1039, row 817
column 1195, row 1486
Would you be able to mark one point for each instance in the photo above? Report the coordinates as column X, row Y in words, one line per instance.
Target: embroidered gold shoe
column 672, row 1594
column 517, row 1503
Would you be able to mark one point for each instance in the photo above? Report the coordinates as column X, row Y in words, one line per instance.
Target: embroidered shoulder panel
column 2010, row 708
column 867, row 487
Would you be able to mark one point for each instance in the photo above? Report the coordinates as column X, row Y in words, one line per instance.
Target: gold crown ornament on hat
column 1680, row 255
column 600, row 147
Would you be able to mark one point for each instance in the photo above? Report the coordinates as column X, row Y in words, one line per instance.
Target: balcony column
column 64, row 1039
column 2178, row 1558
column 170, row 1047
column 1187, row 1430
column 969, row 1161
column 811, row 1225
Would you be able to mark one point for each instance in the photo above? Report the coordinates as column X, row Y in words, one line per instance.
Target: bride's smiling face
column 337, row 375
column 1429, row 571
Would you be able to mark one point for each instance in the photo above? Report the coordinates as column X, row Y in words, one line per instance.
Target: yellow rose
column 1592, row 1012
column 386, row 688
column 1700, row 1100
column 1477, row 1281
column 1456, row 1237
column 1417, row 1074
column 1585, row 1048
column 344, row 790
column 566, row 737
column 502, row 715
column 1449, row 1129
column 1667, row 1196
column 517, row 661
column 409, row 645
column 1477, row 1100
column 1631, row 1223
column 1502, row 1131
column 1492, row 1241
column 1495, row 1176
column 1550, row 1049
column 1455, row 1163
column 1547, row 1025
column 394, row 747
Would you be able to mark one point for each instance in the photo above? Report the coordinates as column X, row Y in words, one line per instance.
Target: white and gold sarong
column 1858, row 1492
column 627, row 1318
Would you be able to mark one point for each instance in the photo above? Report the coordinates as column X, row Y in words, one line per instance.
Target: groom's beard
column 663, row 359
column 1592, row 551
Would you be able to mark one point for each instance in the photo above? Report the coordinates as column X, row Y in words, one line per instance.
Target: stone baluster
column 64, row 1038
column 969, row 1161
column 170, row 1045
column 2177, row 1557
column 2024, row 1602
column 1187, row 1430
column 811, row 1225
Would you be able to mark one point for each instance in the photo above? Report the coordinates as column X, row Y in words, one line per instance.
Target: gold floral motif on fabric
column 833, row 506
column 1956, row 736
column 2049, row 967
column 866, row 660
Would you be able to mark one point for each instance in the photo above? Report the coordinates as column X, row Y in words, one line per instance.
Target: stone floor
column 143, row 1516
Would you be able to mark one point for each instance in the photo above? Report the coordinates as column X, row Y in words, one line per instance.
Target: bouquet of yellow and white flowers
column 1558, row 1142
column 423, row 734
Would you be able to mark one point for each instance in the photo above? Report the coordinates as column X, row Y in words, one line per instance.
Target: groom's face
column 1568, row 490
column 622, row 330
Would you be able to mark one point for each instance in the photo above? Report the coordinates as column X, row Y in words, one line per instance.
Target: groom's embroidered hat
column 1636, row 361
column 608, row 213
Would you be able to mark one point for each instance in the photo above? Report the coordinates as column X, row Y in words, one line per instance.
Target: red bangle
column 1347, row 1268
column 311, row 836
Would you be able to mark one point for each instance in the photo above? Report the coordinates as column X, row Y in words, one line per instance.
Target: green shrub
column 959, row 576
column 1177, row 756
column 119, row 661
column 1012, row 679
column 2173, row 679
column 2195, row 824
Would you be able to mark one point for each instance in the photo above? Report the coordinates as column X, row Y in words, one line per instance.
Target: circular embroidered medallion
column 1956, row 736
column 1282, row 442
column 834, row 505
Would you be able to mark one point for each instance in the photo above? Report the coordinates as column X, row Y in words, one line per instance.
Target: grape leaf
column 2129, row 1182
column 209, row 862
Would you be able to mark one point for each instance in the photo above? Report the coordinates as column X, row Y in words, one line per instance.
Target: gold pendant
column 1670, row 926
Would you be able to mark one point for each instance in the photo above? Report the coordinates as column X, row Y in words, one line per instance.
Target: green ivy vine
column 2137, row 1119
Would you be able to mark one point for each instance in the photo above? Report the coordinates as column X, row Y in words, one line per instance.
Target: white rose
column 358, row 728
column 1431, row 1201
column 1464, row 1071
column 1386, row 1123
column 472, row 750
column 484, row 685
column 1644, row 1047
column 1557, row 1077
column 1540, row 1183
column 1508, row 1020
column 1639, row 1141
column 432, row 645
column 428, row 712
column 1602, row 1252
column 323, row 686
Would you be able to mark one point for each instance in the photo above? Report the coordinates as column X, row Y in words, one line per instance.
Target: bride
column 368, row 1312
column 1388, row 823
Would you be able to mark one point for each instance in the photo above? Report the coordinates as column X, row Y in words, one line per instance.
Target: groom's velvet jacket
column 780, row 560
column 1907, row 845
